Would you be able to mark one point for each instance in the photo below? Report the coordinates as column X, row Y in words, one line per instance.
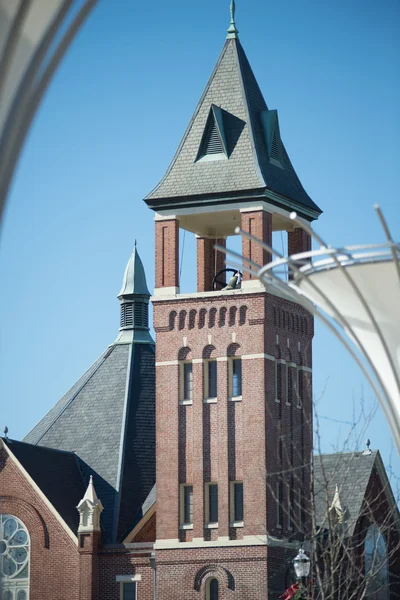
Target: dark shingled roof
column 248, row 170
column 351, row 472
column 58, row 474
column 108, row 420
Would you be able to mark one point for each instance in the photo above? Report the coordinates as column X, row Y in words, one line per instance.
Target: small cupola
column 134, row 299
column 90, row 509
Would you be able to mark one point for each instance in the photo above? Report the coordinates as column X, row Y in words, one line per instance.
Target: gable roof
column 249, row 169
column 106, row 420
column 58, row 474
column 351, row 473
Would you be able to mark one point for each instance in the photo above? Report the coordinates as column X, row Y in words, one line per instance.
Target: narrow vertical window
column 278, row 380
column 212, row 589
column 236, row 378
column 186, row 504
column 129, row 591
column 290, row 499
column 300, row 508
column 279, row 506
column 210, row 379
column 237, row 509
column 186, row 385
column 300, row 387
column 212, row 503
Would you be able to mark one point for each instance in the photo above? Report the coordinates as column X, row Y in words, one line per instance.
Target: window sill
column 288, row 403
column 210, row 525
column 185, row 402
column 299, row 406
column 237, row 524
column 186, row 526
column 210, row 400
column 277, row 400
column 236, row 399
column 278, row 526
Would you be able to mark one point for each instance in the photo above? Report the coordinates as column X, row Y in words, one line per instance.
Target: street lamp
column 301, row 564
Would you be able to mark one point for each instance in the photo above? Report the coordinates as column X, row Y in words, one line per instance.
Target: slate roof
column 58, row 474
column 351, row 472
column 108, row 419
column 248, row 171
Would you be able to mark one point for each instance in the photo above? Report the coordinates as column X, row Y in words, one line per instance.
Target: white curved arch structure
column 34, row 35
column 355, row 292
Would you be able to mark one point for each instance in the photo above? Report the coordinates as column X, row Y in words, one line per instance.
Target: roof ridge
column 9, row 442
column 192, row 120
column 256, row 158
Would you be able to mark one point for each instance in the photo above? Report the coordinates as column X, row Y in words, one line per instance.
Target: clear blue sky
column 107, row 130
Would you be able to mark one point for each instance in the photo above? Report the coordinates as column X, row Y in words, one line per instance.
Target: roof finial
column 6, row 432
column 367, row 450
column 232, row 31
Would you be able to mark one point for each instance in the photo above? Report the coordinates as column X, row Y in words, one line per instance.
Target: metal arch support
column 293, row 292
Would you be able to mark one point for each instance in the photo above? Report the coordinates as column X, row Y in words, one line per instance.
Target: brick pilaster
column 223, row 471
column 209, row 262
column 88, row 565
column 259, row 224
column 167, row 253
column 198, row 467
column 298, row 241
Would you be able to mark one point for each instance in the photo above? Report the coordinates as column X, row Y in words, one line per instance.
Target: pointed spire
column 90, row 492
column 232, row 31
column 134, row 282
column 134, row 298
column 89, row 508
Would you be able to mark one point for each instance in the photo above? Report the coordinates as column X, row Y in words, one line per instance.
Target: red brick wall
column 229, row 440
column 167, row 253
column 54, row 563
column 258, row 224
column 241, row 572
column 148, row 531
column 114, row 561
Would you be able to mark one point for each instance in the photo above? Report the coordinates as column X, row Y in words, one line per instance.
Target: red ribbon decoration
column 290, row 592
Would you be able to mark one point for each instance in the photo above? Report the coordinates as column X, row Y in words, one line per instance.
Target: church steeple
column 134, row 298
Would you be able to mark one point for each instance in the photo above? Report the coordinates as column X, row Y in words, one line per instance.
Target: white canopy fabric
column 364, row 298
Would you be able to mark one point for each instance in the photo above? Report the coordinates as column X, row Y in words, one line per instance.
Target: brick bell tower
column 233, row 366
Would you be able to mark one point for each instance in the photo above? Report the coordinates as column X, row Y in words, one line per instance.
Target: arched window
column 212, row 589
column 14, row 559
column 376, row 564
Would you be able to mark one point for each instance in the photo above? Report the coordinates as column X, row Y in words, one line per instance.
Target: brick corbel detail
column 258, row 224
column 298, row 241
column 167, row 253
column 209, row 262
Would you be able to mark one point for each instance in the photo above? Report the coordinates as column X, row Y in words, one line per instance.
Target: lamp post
column 301, row 564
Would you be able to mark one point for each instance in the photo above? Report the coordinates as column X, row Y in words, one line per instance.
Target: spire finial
column 232, row 31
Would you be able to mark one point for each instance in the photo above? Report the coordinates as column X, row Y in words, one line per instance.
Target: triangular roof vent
column 272, row 136
column 213, row 143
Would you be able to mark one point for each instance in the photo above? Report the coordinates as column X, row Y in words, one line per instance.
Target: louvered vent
column 211, row 143
column 141, row 314
column 126, row 315
column 275, row 147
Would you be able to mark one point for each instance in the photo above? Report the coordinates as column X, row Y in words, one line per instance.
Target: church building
column 197, row 487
